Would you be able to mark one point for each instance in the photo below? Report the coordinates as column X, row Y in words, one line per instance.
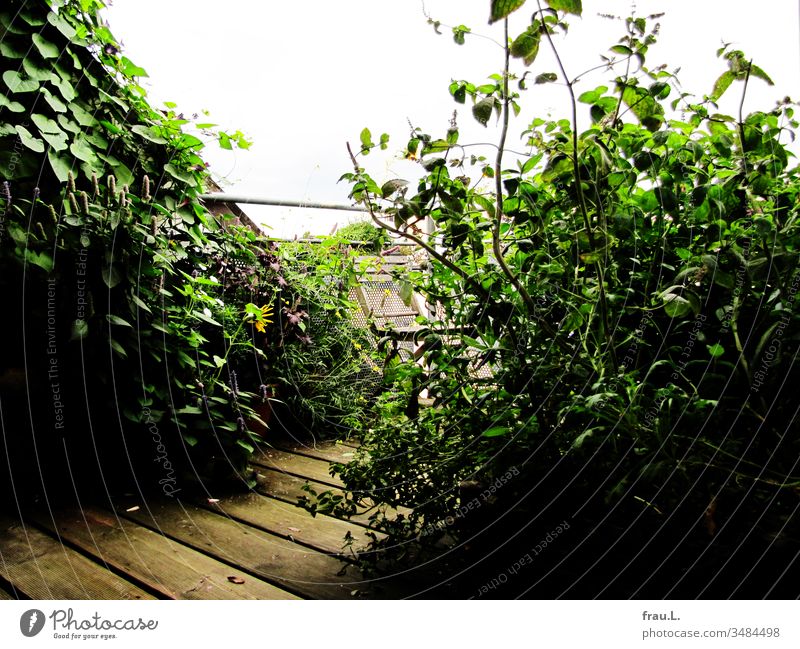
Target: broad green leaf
column 570, row 6
column 716, row 350
column 35, row 72
column 66, row 89
column 178, row 174
column 366, row 140
column 12, row 106
column 9, row 52
column 722, row 84
column 68, row 125
column 60, row 23
column 45, row 124
column 482, row 111
column 59, row 165
column 526, row 45
column 33, row 143
column 647, row 110
column 392, row 186
column 502, row 8
column 675, row 305
column 130, row 69
column 83, row 117
column 40, row 259
column 148, row 133
column 58, row 141
column 45, row 47
column 54, row 102
column 546, row 77
column 16, row 83
column 82, row 150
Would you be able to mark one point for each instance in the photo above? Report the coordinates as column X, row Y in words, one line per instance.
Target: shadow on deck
column 257, row 545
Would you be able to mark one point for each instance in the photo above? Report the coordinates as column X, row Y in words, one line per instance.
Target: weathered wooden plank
column 289, row 488
column 327, row 451
column 294, row 567
column 40, row 567
column 168, row 567
column 299, row 465
column 290, row 521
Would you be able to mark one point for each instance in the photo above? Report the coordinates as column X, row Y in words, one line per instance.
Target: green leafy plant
column 148, row 315
column 605, row 300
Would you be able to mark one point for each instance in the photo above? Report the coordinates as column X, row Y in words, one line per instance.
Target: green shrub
column 629, row 290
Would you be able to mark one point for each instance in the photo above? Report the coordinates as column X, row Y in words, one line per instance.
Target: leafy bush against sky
column 301, row 78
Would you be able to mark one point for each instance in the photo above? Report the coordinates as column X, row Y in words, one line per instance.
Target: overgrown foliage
column 141, row 325
column 619, row 324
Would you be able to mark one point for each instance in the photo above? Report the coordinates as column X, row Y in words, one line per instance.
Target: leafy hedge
column 142, row 330
column 629, row 289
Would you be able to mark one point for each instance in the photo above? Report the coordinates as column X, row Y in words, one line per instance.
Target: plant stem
column 498, row 177
column 603, row 302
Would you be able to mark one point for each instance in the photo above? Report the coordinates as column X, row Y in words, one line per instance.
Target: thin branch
column 582, row 200
column 430, row 250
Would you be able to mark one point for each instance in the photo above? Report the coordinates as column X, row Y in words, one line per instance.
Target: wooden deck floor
column 256, row 545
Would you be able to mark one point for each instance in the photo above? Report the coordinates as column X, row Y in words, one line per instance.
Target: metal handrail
column 262, row 200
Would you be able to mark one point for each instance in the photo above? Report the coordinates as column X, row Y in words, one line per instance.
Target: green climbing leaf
column 502, row 8
column 12, row 106
column 722, row 84
column 33, row 143
column 482, row 111
column 59, row 165
column 45, row 47
column 526, row 45
column 16, row 83
column 45, row 124
column 570, row 6
column 148, row 133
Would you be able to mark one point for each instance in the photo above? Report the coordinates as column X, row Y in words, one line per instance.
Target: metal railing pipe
column 260, row 200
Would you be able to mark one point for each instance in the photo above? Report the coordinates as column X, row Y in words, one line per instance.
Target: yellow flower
column 260, row 326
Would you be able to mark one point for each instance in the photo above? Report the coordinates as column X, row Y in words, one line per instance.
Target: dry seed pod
column 146, row 188
column 85, row 202
column 41, row 229
column 53, row 214
column 112, row 184
column 73, row 203
column 95, row 185
column 70, row 181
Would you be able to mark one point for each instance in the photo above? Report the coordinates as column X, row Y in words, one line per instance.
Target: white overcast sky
column 302, row 78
